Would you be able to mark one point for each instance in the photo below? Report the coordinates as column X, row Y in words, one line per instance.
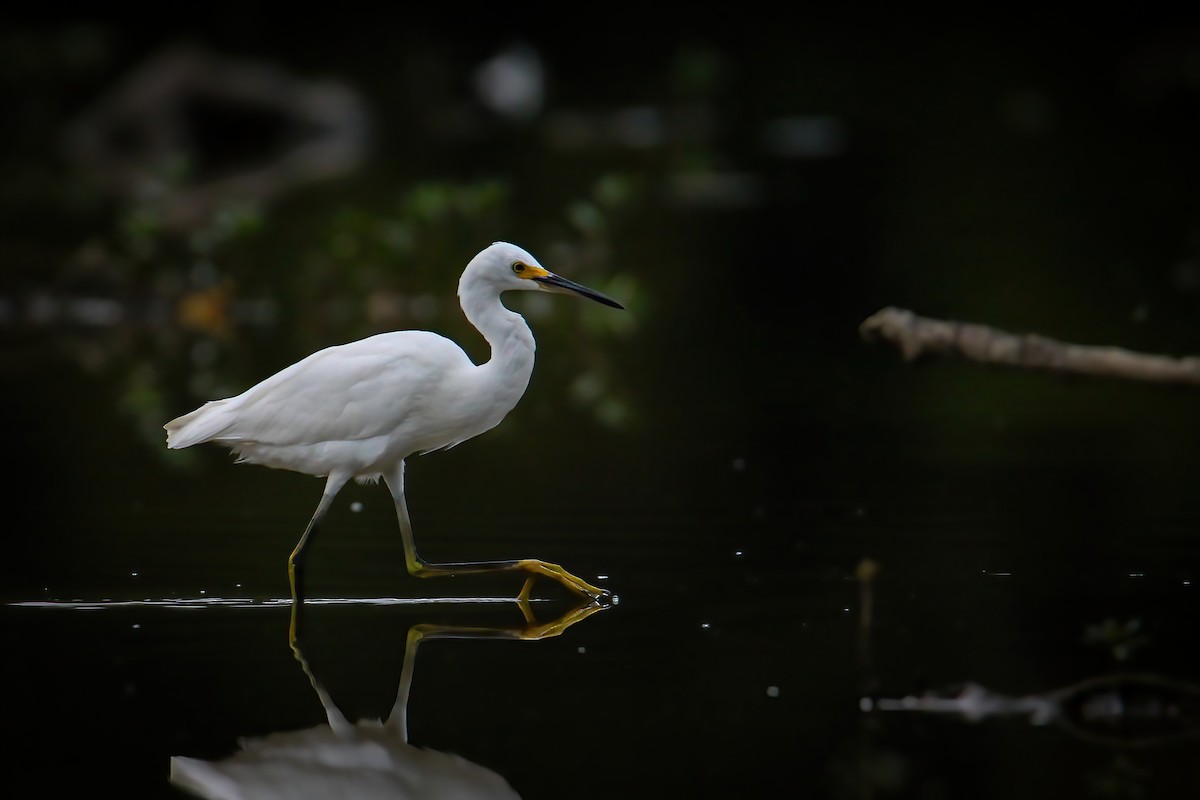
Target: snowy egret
column 358, row 410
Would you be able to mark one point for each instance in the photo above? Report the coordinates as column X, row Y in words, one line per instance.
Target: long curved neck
column 509, row 336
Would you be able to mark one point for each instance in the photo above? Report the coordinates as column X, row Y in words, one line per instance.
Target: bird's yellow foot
column 577, row 585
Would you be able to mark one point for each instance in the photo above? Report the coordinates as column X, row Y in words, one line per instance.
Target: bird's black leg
column 296, row 560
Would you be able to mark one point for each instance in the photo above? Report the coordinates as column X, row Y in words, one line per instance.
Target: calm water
column 800, row 530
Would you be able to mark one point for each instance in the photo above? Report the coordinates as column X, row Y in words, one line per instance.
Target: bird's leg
column 296, row 560
column 532, row 566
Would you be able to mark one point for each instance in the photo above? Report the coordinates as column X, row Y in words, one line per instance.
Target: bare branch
column 916, row 336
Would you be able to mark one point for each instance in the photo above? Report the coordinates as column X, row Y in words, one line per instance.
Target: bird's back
column 371, row 397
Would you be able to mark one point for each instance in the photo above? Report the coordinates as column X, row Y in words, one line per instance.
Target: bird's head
column 506, row 267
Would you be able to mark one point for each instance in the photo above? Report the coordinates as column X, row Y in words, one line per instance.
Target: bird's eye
column 518, row 267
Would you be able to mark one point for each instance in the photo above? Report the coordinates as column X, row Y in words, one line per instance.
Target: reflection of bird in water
column 368, row 760
column 359, row 410
column 365, row 760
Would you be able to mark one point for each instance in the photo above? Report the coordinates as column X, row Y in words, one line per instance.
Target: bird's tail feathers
column 205, row 423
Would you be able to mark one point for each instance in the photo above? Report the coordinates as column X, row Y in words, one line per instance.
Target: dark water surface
column 801, row 531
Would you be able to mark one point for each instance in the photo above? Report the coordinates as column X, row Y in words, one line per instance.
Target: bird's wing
column 348, row 392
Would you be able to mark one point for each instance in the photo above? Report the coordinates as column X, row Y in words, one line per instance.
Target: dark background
column 726, row 452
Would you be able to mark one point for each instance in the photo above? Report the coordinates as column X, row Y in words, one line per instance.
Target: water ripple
column 248, row 602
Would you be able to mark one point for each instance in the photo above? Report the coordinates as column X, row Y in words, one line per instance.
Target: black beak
column 555, row 283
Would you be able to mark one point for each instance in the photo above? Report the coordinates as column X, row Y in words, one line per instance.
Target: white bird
column 358, row 410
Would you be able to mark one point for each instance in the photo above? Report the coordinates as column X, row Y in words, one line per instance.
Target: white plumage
column 358, row 410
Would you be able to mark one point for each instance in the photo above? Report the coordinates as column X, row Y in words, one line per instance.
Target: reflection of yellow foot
column 535, row 630
column 576, row 585
column 532, row 631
